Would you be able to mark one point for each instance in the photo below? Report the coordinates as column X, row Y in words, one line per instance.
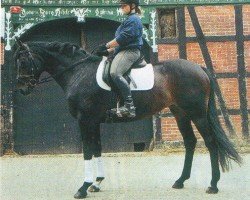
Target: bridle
column 32, row 80
column 30, row 76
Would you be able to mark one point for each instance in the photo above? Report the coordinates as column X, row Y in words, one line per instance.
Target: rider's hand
column 102, row 50
column 102, row 47
column 102, row 53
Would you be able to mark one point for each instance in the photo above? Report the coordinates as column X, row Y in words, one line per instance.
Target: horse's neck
column 68, row 76
column 61, row 76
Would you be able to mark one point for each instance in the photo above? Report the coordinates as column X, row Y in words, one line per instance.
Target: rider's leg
column 120, row 65
column 128, row 109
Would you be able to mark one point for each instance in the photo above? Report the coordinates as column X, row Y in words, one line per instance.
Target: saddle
column 140, row 77
column 140, row 63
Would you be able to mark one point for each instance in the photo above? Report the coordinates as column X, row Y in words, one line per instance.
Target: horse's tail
column 226, row 149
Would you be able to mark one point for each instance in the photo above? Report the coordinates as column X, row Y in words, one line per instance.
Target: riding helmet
column 136, row 2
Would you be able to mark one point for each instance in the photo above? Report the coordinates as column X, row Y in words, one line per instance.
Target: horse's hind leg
column 184, row 125
column 204, row 129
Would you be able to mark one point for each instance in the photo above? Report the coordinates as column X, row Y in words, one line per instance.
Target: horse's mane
column 65, row 49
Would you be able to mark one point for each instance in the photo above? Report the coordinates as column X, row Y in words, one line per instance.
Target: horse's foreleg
column 88, row 172
column 184, row 125
column 89, row 132
column 100, row 175
column 88, row 180
column 99, row 164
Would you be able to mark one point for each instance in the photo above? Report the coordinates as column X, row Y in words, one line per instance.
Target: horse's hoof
column 99, row 179
column 93, row 188
column 80, row 194
column 212, row 190
column 178, row 185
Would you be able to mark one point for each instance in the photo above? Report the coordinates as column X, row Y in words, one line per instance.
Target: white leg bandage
column 88, row 165
column 100, row 168
column 99, row 174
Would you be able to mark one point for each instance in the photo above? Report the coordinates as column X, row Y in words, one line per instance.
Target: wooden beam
column 181, row 33
column 241, row 70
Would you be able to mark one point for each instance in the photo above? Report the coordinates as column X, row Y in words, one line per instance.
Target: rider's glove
column 102, row 53
column 102, row 50
column 102, row 47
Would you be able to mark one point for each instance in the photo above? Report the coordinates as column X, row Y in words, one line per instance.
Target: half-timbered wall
column 220, row 25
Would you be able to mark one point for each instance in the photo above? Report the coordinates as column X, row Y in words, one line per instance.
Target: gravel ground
column 128, row 177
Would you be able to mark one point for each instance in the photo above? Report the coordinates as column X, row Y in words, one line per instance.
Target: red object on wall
column 15, row 9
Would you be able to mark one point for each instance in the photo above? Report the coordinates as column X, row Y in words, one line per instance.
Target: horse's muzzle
column 25, row 90
column 25, row 86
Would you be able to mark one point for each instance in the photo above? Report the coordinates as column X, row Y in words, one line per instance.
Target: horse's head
column 29, row 67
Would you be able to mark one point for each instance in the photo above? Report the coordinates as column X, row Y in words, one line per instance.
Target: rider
column 126, row 46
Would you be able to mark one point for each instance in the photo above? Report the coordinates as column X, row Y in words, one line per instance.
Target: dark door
column 42, row 120
column 42, row 123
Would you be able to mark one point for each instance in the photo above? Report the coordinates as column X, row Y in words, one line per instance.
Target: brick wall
column 230, row 91
column 214, row 21
column 246, row 19
column 222, row 54
column 168, row 51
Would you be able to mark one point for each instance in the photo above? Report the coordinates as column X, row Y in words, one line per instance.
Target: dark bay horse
column 183, row 86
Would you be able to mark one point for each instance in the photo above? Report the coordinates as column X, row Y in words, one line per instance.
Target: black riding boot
column 128, row 109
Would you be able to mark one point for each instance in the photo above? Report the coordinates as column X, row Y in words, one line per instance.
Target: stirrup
column 116, row 111
column 123, row 111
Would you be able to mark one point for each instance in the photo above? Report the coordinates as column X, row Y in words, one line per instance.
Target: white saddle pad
column 143, row 77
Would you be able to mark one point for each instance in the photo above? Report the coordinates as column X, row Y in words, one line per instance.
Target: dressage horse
column 183, row 86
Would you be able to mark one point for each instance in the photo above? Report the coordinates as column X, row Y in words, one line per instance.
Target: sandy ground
column 128, row 177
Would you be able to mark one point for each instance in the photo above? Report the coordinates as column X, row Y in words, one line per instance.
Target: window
column 167, row 24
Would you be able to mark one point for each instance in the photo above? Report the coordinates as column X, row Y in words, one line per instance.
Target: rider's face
column 125, row 8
